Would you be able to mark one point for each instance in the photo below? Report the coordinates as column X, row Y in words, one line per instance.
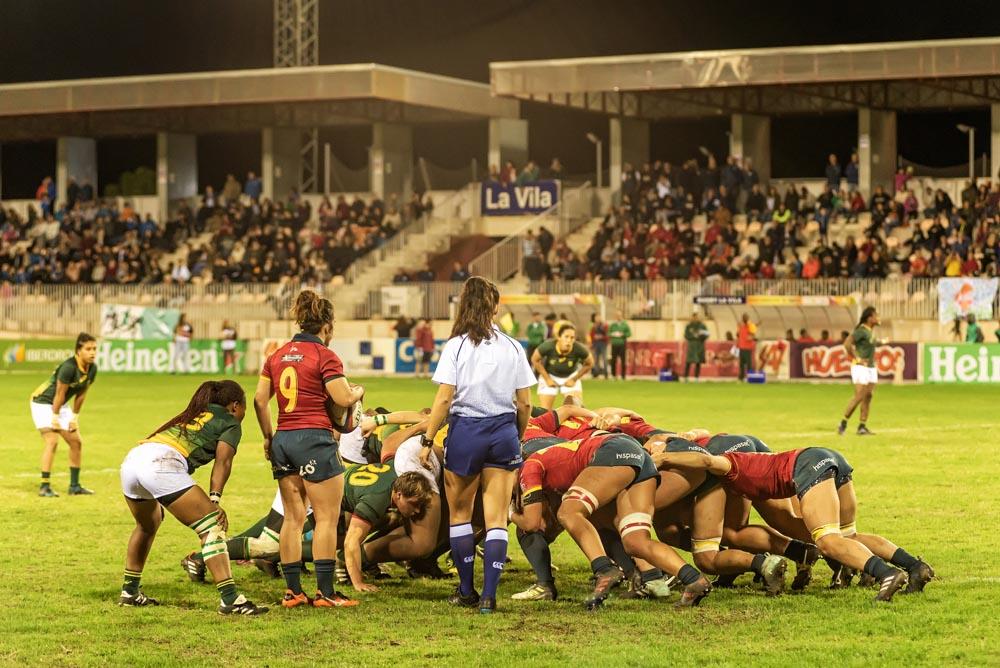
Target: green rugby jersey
column 368, row 490
column 864, row 345
column 70, row 373
column 559, row 364
column 199, row 438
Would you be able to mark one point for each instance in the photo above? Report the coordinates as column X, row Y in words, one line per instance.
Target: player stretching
column 860, row 347
column 821, row 479
column 54, row 416
column 305, row 374
column 561, row 363
column 158, row 472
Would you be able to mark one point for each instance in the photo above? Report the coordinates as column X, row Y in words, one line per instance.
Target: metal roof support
column 296, row 44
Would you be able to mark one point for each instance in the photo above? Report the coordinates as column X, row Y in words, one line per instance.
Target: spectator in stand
column 619, row 333
column 253, row 188
column 746, row 338
column 230, row 190
column 824, row 336
column 599, row 345
column 550, row 325
column 508, row 175
column 459, row 273
column 555, row 170
column 528, row 174
column 852, row 172
column 833, row 172
column 403, row 327
column 401, row 277
column 536, row 332
column 804, row 337
column 425, row 275
column 423, row 348
column 695, row 334
column 545, row 240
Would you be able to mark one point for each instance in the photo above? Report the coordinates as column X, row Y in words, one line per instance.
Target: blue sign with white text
column 406, row 355
column 531, row 197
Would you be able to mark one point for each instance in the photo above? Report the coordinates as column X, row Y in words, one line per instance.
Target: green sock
column 46, row 479
column 227, row 590
column 131, row 585
column 74, row 476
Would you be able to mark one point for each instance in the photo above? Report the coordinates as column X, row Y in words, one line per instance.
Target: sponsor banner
column 647, row 358
column 406, row 355
column 958, row 297
column 517, row 200
column 720, row 300
column 772, row 358
column 120, row 321
column 721, row 360
column 962, row 363
column 822, row 361
column 35, row 355
column 360, row 356
column 127, row 356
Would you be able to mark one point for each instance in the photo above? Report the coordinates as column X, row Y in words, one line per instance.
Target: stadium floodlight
column 599, row 146
column 971, row 131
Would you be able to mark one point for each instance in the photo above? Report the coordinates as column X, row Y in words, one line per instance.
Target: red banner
column 822, row 361
column 648, row 358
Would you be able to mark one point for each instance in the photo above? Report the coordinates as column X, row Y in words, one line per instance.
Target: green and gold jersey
column 368, row 490
column 864, row 345
column 559, row 364
column 198, row 439
column 373, row 442
column 69, row 372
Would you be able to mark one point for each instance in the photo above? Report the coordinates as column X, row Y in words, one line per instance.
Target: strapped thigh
column 588, row 500
column 635, row 522
column 832, row 529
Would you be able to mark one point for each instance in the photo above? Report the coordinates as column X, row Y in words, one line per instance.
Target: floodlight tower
column 296, row 44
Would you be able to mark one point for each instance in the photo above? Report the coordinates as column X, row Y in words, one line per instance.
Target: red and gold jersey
column 556, row 467
column 762, row 476
column 299, row 372
column 543, row 426
column 575, row 428
column 637, row 428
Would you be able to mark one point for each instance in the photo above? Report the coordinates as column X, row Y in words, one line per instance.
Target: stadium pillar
column 994, row 142
column 876, row 149
column 279, row 158
column 76, row 158
column 390, row 163
column 628, row 141
column 176, row 170
column 750, row 137
column 508, row 140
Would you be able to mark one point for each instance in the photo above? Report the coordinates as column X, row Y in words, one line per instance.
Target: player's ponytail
column 476, row 308
column 311, row 312
column 203, row 396
column 226, row 392
column 867, row 313
column 83, row 339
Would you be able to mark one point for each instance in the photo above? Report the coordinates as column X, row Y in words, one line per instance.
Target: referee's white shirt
column 485, row 376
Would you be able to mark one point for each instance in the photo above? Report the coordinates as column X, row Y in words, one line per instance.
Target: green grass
column 927, row 481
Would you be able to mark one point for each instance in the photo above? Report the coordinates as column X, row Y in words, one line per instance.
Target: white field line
column 878, row 431
column 85, row 471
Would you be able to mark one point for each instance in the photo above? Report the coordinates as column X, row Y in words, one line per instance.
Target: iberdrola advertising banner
column 35, row 355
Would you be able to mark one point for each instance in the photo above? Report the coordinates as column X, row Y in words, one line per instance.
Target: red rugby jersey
column 637, row 428
column 543, row 426
column 762, row 476
column 556, row 467
column 299, row 372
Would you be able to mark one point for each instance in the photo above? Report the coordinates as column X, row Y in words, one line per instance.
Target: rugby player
column 305, row 374
column 561, row 363
column 158, row 472
column 821, row 479
column 860, row 347
column 590, row 474
column 54, row 416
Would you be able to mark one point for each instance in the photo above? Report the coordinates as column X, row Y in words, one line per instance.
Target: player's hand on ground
column 364, row 586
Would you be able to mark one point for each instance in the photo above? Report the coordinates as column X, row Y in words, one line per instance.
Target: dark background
column 66, row 39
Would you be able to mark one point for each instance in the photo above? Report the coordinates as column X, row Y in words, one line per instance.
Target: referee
column 484, row 390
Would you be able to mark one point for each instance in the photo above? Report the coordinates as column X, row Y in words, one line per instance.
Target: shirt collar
column 307, row 337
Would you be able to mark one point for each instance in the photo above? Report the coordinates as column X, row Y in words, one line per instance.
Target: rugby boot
column 47, row 491
column 803, row 570
column 487, row 605
column 865, row 431
column 79, row 490
column 268, row 567
column 194, row 566
column 890, row 585
column 537, row 592
column 338, row 600
column 291, row 600
column 727, row 581
column 693, row 593
column 633, row 587
column 866, row 581
column 377, row 572
column 470, row 600
column 242, row 606
column 604, row 581
column 842, row 577
column 426, row 568
column 920, row 574
column 660, row 587
column 773, row 572
column 136, row 600
column 842, row 427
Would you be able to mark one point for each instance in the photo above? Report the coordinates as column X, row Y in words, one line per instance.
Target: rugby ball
column 345, row 420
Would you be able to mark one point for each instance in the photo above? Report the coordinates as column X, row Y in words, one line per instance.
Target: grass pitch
column 927, row 481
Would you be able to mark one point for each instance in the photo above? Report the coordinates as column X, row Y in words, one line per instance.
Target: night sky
column 65, row 39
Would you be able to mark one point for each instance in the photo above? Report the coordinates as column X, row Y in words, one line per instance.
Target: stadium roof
column 243, row 100
column 893, row 75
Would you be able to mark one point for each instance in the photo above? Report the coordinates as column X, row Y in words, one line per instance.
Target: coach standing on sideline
column 619, row 331
column 485, row 390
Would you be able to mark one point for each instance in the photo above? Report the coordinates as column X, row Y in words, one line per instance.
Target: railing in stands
column 505, row 259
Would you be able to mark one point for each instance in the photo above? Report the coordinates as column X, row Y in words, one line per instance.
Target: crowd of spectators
column 699, row 222
column 230, row 235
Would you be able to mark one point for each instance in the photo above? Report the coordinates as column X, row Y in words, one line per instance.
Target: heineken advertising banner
column 958, row 297
column 204, row 356
column 35, row 355
column 961, row 363
column 119, row 321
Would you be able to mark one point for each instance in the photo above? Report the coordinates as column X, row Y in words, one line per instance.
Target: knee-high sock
column 463, row 553
column 494, row 557
column 615, row 549
column 536, row 551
